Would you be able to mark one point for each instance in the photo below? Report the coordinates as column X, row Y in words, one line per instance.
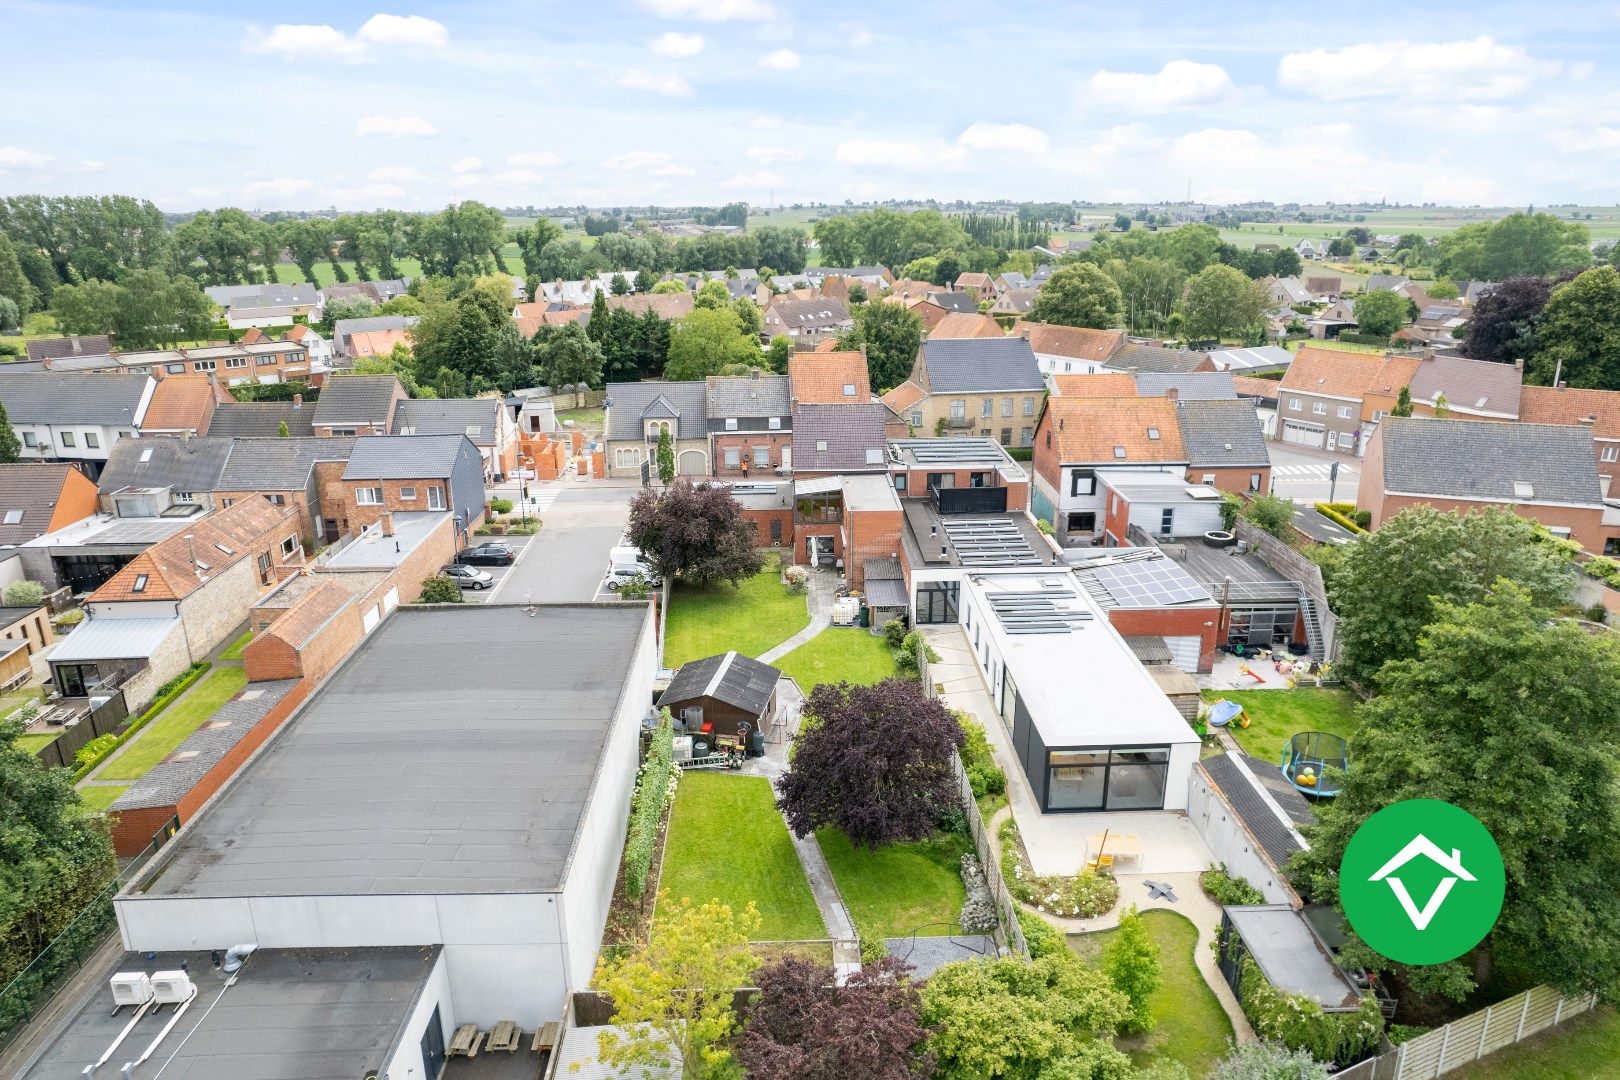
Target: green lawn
column 839, row 654
column 727, row 842
column 1279, row 714
column 235, row 651
column 96, row 799
column 1189, row 1025
column 1586, row 1048
column 591, row 421
column 32, row 743
column 900, row 889
column 753, row 618
column 163, row 736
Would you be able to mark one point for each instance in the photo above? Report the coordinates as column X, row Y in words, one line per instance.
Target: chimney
column 387, row 523
column 73, row 344
column 1518, row 365
column 1171, row 394
column 1603, row 486
column 298, row 401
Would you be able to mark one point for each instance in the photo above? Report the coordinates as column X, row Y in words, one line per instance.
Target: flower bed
column 1083, row 896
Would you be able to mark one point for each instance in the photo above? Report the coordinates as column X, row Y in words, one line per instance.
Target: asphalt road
column 1302, row 475
column 566, row 561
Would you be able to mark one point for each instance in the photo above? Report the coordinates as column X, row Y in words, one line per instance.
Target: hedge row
column 653, row 789
column 165, row 697
column 1345, row 514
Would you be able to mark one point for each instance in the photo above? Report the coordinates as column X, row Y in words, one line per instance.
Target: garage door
column 693, row 463
column 1304, row 436
column 1184, row 651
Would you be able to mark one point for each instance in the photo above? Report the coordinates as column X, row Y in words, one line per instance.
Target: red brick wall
column 330, row 494
column 359, row 516
column 1173, row 622
column 873, row 534
column 917, row 485
column 1047, row 465
column 1233, row 481
column 761, row 520
column 269, row 657
column 1116, row 515
column 744, row 442
column 802, row 531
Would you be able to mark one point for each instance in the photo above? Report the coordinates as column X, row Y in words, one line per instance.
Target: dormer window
column 731, row 423
column 774, row 423
column 821, row 445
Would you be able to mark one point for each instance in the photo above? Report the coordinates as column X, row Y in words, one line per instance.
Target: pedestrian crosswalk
column 542, row 498
column 1314, row 471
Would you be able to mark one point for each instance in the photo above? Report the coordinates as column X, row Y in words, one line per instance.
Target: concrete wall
column 406, row 1064
column 1229, row 841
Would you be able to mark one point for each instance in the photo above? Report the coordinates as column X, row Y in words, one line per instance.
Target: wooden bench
column 506, row 1036
column 466, row 1042
column 546, row 1038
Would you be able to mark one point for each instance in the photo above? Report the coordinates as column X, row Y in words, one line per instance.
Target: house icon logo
column 1422, row 881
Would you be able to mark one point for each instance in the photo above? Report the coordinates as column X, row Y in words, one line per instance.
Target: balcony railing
column 957, row 423
column 969, row 500
column 826, row 515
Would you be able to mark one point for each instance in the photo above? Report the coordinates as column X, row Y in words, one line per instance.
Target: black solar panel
column 1159, row 583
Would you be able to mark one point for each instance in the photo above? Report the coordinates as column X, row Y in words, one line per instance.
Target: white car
column 620, row 576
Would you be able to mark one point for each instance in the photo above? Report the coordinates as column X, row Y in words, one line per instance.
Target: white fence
column 1464, row 1041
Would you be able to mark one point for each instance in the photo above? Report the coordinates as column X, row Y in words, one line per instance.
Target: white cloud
column 90, row 166
column 1461, row 191
column 711, row 10
column 1180, row 84
column 1217, row 144
column 1455, row 70
column 1014, row 138
column 365, row 195
column 394, row 127
column 659, row 82
column 761, row 179
column 649, row 162
column 893, row 154
column 405, row 30
column 306, row 41
column 518, row 176
column 467, row 165
column 780, row 60
column 1587, row 140
column 856, row 35
column 541, row 160
column 771, row 155
column 765, row 123
column 15, row 158
column 396, row 173
column 676, row 46
column 283, row 187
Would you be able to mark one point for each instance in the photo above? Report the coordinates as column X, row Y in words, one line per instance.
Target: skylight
column 14, row 517
column 1523, row 490
column 225, row 549
column 140, row 583
column 849, row 389
column 146, row 455
column 1153, row 433
column 1119, row 451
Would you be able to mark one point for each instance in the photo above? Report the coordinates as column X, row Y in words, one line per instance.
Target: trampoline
column 1306, row 759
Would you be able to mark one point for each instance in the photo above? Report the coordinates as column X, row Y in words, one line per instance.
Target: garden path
column 823, row 583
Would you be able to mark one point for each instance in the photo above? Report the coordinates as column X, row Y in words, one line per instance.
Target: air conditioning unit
column 130, row 988
column 171, row 987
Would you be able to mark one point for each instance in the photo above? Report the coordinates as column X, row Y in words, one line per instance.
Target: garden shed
column 1288, row 952
column 717, row 693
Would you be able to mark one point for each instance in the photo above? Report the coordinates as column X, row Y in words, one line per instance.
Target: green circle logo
column 1422, row 881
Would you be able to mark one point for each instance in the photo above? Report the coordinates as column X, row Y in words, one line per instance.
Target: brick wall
column 361, row 515
column 744, row 442
column 1233, row 481
column 1116, row 515
column 873, row 534
column 761, row 521
column 295, row 501
column 329, row 495
column 1173, row 622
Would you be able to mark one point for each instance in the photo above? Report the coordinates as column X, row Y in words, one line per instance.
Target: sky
column 302, row 106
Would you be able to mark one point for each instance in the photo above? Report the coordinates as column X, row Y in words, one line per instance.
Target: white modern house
column 76, row 417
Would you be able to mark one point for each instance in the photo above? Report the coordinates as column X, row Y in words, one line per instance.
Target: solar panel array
column 1159, row 583
column 947, row 451
column 1037, row 612
column 989, row 542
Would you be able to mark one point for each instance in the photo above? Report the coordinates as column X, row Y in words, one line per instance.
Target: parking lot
column 568, row 559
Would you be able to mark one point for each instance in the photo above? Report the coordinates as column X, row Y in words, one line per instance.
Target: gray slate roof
column 979, row 366
column 1470, row 384
column 634, row 401
column 269, row 295
column 404, row 457
column 73, row 345
column 279, row 464
column 334, row 805
column 355, row 399
column 743, row 397
column 449, row 416
column 1156, row 358
column 955, row 301
column 1189, row 385
column 1478, row 459
column 261, row 419
column 1218, row 433
column 169, row 461
column 730, row 677
column 1385, row 282
column 45, row 398
column 34, row 488
column 849, row 434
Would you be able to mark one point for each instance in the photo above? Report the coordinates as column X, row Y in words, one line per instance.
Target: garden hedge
column 653, row 789
column 1336, row 513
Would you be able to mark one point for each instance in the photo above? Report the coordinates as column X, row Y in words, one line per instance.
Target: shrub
column 1045, row 527
column 501, row 506
column 1604, row 569
column 72, row 617
column 984, row 775
column 1229, row 890
column 1272, row 513
column 483, row 530
column 439, row 590
column 1598, row 613
column 1343, row 514
column 1020, row 453
column 1131, row 962
column 894, row 632
column 1301, row 1024
column 161, row 700
column 1041, row 936
column 25, row 594
column 1268, row 1061
column 93, row 751
column 1083, row 896
column 523, row 528
column 655, row 786
column 979, row 909
column 873, row 947
column 798, row 578
column 1230, row 506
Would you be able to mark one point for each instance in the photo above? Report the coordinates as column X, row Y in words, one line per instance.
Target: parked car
column 620, row 576
column 488, row 555
column 469, row 577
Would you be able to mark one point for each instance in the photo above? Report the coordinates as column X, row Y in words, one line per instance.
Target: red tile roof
column 1089, row 430
column 819, row 378
column 171, row 567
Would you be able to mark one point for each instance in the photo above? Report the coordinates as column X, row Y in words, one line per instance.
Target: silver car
column 469, row 577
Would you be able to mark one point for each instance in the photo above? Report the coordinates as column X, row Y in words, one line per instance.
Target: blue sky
column 301, row 105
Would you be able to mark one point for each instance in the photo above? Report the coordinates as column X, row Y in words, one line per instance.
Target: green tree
column 665, row 457
column 707, row 341
column 1579, row 330
column 857, row 293
column 1024, row 1020
column 14, row 284
column 838, row 241
column 405, row 304
column 619, row 284
column 781, row 249
column 1268, row 1061
column 1517, row 245
column 25, row 594
column 1222, row 302
column 1438, row 557
column 1526, row 747
column 779, row 353
column 891, row 334
column 224, row 247
column 281, row 430
column 1150, row 288
column 1381, row 312
column 1403, row 403
column 672, row 1000
column 1273, row 513
column 1079, row 295
column 1131, row 962
column 569, row 357
column 667, row 288
column 90, row 308
column 10, row 316
column 439, row 590
column 531, row 242
column 464, row 238
column 1440, row 290
column 309, row 241
column 712, row 295
column 749, row 317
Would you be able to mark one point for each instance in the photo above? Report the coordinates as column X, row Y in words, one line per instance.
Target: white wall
column 406, row 1063
column 1191, row 518
column 1230, row 842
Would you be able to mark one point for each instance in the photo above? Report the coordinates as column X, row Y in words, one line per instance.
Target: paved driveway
column 567, row 559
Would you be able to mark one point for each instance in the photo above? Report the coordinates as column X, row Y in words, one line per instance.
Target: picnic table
column 545, row 1038
column 506, row 1036
column 465, row 1042
column 1119, row 845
